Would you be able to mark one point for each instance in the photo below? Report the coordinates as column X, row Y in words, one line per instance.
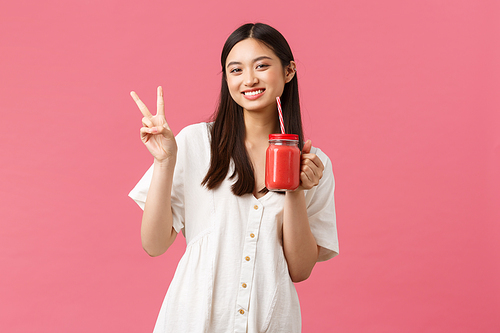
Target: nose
column 250, row 79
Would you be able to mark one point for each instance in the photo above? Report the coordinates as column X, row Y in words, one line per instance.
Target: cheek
column 233, row 88
column 278, row 84
column 277, row 79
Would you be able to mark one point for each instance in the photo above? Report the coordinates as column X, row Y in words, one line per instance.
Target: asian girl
column 246, row 246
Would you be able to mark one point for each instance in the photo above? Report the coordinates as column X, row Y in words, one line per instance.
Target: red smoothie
column 283, row 162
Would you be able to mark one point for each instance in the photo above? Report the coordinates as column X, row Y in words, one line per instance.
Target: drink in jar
column 283, row 162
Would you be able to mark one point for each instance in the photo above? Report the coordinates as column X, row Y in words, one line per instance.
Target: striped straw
column 281, row 116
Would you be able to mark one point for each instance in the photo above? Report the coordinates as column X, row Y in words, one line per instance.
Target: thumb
column 160, row 129
column 307, row 147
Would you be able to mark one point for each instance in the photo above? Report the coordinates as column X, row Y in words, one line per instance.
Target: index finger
column 141, row 105
column 160, row 108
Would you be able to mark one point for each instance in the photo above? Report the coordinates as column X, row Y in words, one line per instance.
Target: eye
column 235, row 70
column 261, row 66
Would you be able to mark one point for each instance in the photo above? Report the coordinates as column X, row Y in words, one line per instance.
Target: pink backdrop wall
column 402, row 95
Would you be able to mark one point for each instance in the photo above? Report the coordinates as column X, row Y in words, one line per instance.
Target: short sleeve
column 321, row 211
column 140, row 192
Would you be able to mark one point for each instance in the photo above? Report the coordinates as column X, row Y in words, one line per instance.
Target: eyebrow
column 255, row 60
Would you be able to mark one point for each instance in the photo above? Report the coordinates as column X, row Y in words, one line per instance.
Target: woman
column 245, row 246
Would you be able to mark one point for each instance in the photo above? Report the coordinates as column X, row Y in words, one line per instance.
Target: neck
column 258, row 126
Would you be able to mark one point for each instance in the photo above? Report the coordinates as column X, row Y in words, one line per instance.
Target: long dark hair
column 227, row 133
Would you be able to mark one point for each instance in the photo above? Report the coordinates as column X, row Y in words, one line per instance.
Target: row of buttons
column 247, row 258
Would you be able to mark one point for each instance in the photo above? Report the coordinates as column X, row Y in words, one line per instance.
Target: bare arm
column 299, row 244
column 157, row 232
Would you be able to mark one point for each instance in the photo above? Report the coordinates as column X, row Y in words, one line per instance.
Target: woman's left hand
column 311, row 168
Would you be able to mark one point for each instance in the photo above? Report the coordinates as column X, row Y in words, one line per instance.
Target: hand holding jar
column 311, row 168
column 287, row 169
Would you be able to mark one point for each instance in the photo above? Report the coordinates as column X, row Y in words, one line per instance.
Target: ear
column 290, row 71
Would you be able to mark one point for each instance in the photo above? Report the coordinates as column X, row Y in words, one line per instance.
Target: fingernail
column 154, row 130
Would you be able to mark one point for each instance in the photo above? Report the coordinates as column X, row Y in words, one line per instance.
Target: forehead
column 249, row 49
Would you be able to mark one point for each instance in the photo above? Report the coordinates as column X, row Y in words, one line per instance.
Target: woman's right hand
column 156, row 133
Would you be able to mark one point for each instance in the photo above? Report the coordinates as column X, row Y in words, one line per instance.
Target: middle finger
column 160, row 104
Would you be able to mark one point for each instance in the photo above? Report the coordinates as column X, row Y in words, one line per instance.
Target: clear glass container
column 283, row 162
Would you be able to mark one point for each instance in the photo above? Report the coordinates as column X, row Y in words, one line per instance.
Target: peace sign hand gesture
column 156, row 133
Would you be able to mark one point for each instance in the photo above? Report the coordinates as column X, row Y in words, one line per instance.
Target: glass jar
column 283, row 162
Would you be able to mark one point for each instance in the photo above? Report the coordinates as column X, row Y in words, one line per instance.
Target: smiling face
column 255, row 76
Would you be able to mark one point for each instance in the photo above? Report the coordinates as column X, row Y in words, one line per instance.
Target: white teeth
column 251, row 93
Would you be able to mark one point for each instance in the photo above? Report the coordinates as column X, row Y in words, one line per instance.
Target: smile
column 253, row 93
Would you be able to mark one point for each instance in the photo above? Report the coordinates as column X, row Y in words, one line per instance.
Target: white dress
column 233, row 276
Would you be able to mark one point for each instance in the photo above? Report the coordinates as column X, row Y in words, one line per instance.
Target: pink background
column 402, row 95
